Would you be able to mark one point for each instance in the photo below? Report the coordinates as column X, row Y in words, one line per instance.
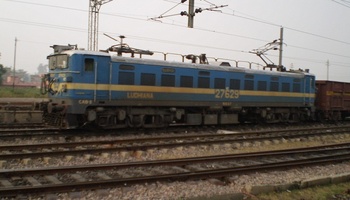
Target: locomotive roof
column 116, row 58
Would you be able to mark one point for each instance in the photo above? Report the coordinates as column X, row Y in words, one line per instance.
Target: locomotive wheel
column 154, row 121
column 135, row 121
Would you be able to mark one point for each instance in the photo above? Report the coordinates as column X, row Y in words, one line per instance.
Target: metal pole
column 327, row 70
column 94, row 9
column 14, row 65
column 281, row 48
column 191, row 14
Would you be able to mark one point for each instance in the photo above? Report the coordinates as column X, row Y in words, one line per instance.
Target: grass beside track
column 336, row 192
column 20, row 92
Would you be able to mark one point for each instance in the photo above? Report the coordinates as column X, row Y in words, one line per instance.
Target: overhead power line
column 163, row 41
column 46, row 5
column 251, row 18
column 343, row 3
column 289, row 28
column 191, row 11
column 45, row 25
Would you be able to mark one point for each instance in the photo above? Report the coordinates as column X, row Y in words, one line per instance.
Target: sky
column 314, row 31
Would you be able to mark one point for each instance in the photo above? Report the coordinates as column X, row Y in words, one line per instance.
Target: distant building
column 21, row 79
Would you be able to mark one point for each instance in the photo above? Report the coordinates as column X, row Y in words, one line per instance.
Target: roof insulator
column 183, row 13
column 198, row 10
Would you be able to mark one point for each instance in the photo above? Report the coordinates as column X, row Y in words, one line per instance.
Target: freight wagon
column 332, row 100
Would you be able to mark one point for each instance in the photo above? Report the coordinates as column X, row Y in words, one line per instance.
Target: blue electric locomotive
column 113, row 91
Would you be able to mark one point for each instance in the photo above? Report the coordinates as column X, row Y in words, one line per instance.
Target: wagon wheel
column 335, row 116
column 321, row 117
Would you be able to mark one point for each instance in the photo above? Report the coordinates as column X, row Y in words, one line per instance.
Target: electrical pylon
column 94, row 9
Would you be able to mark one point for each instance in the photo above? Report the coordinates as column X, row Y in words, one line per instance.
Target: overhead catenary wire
column 343, row 3
column 292, row 29
column 170, row 9
column 229, row 14
column 201, row 29
column 166, row 41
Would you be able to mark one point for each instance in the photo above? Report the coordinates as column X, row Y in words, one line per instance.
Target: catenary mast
column 94, row 9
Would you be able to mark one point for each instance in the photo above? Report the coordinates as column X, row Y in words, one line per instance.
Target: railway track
column 64, row 179
column 17, row 112
column 20, row 127
column 133, row 144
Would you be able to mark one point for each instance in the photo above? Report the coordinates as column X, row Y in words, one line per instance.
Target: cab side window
column 89, row 64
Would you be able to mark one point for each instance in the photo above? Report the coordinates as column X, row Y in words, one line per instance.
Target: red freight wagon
column 332, row 100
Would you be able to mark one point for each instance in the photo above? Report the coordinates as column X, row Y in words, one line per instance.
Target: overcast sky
column 314, row 30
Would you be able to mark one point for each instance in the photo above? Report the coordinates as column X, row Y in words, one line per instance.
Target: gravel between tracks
column 191, row 189
column 200, row 188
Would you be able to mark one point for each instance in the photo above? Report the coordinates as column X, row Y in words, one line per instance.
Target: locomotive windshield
column 58, row 61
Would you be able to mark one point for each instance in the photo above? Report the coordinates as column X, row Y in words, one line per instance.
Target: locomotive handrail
column 250, row 64
column 165, row 55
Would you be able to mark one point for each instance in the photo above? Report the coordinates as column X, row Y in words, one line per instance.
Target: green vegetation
column 2, row 71
column 338, row 191
column 20, row 92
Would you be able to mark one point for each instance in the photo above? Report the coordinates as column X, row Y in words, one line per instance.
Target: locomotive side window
column 168, row 80
column 285, row 87
column 148, row 79
column 186, row 81
column 126, row 78
column 262, row 85
column 274, row 86
column 89, row 64
column 235, row 84
column 249, row 85
column 219, row 83
column 203, row 82
column 296, row 87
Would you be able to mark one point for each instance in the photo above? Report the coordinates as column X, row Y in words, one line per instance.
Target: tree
column 42, row 69
column 2, row 72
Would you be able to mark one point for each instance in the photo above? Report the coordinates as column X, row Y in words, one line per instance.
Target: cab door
column 102, row 75
column 96, row 69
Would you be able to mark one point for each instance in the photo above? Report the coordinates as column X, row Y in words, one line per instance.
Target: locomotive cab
column 72, row 84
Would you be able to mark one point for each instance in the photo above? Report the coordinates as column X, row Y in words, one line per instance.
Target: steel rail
column 316, row 149
column 131, row 144
column 8, row 191
column 72, row 132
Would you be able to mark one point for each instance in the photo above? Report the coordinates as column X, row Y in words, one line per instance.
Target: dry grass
column 336, row 192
